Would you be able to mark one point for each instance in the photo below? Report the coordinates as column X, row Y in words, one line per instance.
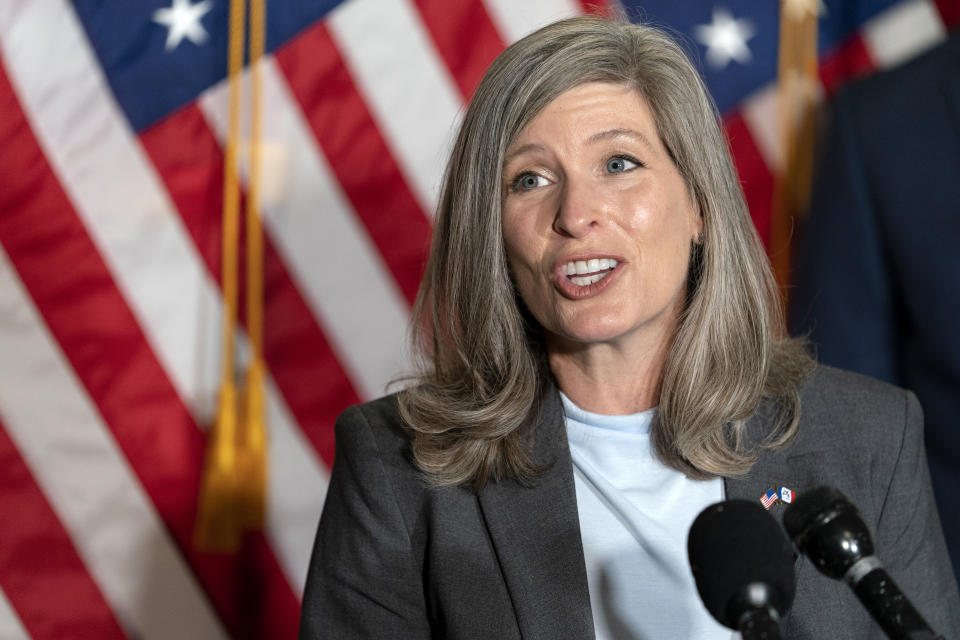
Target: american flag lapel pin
column 769, row 498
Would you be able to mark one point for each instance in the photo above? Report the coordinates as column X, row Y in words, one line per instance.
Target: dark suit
column 396, row 559
column 878, row 279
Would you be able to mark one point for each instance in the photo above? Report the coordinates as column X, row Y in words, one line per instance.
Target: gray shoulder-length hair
column 483, row 363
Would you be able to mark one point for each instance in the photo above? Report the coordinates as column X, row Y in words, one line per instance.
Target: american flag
column 112, row 123
column 769, row 498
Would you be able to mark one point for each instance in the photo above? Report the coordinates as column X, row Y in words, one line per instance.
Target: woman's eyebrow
column 622, row 132
column 618, row 132
column 522, row 149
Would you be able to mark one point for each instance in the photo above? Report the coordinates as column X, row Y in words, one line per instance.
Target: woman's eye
column 528, row 181
column 619, row 164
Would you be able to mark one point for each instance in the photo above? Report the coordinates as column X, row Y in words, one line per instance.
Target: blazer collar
column 536, row 537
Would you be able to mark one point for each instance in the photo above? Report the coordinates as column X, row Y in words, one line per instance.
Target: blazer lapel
column 798, row 471
column 797, row 467
column 536, row 535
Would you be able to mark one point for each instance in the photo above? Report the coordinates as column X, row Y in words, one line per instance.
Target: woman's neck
column 613, row 378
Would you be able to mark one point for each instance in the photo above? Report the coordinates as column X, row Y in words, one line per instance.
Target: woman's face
column 597, row 220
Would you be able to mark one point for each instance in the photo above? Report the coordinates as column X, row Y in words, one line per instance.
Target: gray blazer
column 397, row 559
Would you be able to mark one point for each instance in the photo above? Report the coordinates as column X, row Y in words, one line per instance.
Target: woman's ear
column 697, row 227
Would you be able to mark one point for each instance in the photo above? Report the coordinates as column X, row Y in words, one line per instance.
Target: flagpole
column 797, row 101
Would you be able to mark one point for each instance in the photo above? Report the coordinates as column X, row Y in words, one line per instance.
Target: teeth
column 583, row 267
column 582, row 281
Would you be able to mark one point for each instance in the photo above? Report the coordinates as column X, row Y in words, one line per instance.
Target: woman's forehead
column 590, row 113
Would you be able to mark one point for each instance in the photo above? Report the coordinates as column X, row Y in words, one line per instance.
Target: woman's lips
column 585, row 276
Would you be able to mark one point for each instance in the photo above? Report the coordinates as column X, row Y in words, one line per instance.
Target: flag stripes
column 759, row 111
column 903, row 31
column 152, row 261
column 109, row 283
column 90, row 484
column 11, row 628
column 107, row 351
column 189, row 160
column 516, row 19
column 326, row 248
column 447, row 23
column 103, row 169
column 38, row 553
column 851, row 59
column 754, row 172
column 357, row 155
column 391, row 57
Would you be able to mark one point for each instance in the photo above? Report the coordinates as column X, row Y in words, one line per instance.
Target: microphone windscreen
column 807, row 508
column 734, row 544
column 828, row 529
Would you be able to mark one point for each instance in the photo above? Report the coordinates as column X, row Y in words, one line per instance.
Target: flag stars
column 182, row 20
column 726, row 38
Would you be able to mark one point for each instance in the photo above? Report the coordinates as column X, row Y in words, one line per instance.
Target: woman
column 603, row 357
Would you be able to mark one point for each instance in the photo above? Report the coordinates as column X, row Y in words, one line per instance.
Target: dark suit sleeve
column 909, row 538
column 363, row 581
column 844, row 297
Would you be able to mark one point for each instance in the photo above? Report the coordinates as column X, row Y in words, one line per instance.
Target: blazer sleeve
column 909, row 538
column 844, row 297
column 363, row 580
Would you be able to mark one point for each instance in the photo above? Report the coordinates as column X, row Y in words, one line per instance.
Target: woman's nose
column 579, row 210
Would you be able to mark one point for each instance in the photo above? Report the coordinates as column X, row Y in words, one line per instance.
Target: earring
column 699, row 239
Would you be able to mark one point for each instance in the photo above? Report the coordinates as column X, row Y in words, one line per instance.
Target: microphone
column 743, row 566
column 828, row 529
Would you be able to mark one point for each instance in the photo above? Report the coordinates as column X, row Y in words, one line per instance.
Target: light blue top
column 635, row 513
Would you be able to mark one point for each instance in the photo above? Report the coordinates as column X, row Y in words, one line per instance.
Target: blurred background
column 114, row 124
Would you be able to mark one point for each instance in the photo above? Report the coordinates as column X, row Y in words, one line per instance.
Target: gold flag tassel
column 253, row 444
column 797, row 102
column 221, row 511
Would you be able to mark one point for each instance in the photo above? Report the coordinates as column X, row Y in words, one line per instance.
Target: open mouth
column 586, row 272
